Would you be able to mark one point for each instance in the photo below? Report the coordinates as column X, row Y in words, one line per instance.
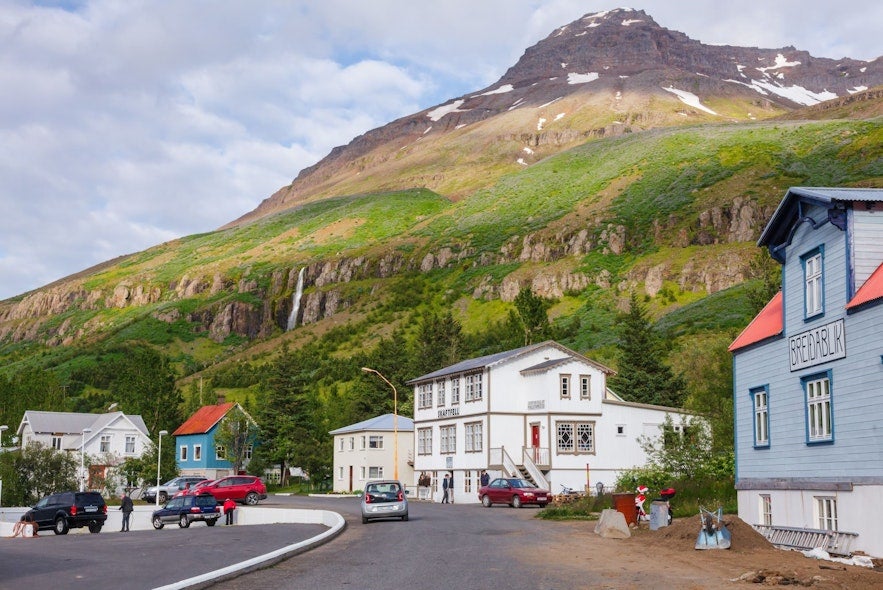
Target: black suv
column 70, row 510
column 186, row 509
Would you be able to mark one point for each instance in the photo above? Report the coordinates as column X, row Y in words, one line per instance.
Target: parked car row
column 182, row 503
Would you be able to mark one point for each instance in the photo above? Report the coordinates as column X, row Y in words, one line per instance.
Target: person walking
column 446, row 483
column 229, row 507
column 485, row 478
column 127, row 507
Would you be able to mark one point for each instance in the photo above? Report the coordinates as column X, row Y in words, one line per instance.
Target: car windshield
column 520, row 483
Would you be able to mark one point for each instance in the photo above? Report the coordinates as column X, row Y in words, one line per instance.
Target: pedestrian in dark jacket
column 127, row 507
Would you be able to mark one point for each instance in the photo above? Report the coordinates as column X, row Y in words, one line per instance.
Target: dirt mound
column 683, row 532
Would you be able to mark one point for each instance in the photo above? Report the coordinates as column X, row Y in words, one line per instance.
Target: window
column 424, row 395
column 565, row 386
column 56, row 443
column 375, row 441
column 474, row 437
column 448, row 438
column 576, row 437
column 220, row 452
column 467, row 481
column 440, row 393
column 455, row 390
column 363, row 443
column 766, row 510
column 182, row 452
column 819, row 426
column 826, row 507
column 362, row 472
column 340, row 473
column 352, row 443
column 104, row 447
column 341, row 443
column 814, row 298
column 473, row 387
column 197, row 452
column 585, row 390
column 249, row 449
column 620, row 430
column 130, row 445
column 375, row 473
column 424, row 441
column 760, row 400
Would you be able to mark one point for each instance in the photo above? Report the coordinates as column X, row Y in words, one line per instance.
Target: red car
column 514, row 491
column 246, row 489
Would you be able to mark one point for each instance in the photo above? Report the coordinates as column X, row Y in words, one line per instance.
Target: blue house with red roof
column 197, row 452
column 807, row 374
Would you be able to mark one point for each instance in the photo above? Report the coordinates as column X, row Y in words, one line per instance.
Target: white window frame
column 362, row 472
column 819, row 408
column 474, row 388
column 375, row 441
column 182, row 453
column 760, row 401
column 249, row 450
column 362, row 442
column 220, row 452
column 104, row 444
column 474, row 437
column 375, row 472
column 352, row 443
column 826, row 512
column 424, row 396
column 585, row 387
column 440, row 393
column 341, row 443
column 455, row 391
column 564, row 385
column 448, row 439
column 340, row 473
column 424, row 441
column 130, row 444
column 56, row 442
column 197, row 452
column 580, row 438
column 766, row 509
column 813, row 278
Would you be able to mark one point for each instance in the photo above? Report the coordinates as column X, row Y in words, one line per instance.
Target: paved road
column 441, row 547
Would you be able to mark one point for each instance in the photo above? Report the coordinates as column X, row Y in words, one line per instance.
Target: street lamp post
column 395, row 421
column 83, row 459
column 162, row 433
column 3, row 428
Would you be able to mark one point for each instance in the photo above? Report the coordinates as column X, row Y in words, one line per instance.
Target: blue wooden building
column 808, row 373
column 196, row 450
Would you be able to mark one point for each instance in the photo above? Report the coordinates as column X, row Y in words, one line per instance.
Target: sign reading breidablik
column 817, row 346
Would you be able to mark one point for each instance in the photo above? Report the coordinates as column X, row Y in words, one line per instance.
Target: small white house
column 369, row 449
column 106, row 439
column 542, row 412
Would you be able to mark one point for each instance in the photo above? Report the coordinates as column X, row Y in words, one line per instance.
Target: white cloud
column 125, row 124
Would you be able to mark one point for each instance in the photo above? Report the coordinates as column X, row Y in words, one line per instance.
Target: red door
column 535, row 440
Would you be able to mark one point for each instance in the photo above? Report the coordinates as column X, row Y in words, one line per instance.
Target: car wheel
column 163, row 497
column 486, row 501
column 157, row 523
column 211, row 522
column 405, row 517
column 61, row 527
column 252, row 499
column 183, row 522
column 516, row 501
column 364, row 520
column 95, row 527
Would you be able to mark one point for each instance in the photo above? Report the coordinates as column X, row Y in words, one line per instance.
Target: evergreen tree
column 530, row 315
column 439, row 343
column 642, row 375
column 144, row 384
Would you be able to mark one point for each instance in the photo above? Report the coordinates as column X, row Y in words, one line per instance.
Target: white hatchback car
column 384, row 499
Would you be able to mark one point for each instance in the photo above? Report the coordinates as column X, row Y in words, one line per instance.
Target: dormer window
column 813, row 275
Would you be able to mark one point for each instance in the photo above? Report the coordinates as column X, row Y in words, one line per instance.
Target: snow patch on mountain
column 454, row 107
column 573, row 78
column 689, row 98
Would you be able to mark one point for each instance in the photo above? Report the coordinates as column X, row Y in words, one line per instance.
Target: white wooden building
column 807, row 374
column 368, row 450
column 542, row 412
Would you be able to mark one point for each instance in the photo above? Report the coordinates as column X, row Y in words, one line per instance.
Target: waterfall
column 295, row 300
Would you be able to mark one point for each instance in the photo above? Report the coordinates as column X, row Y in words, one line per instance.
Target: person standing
column 485, row 478
column 229, row 507
column 127, row 507
column 446, row 483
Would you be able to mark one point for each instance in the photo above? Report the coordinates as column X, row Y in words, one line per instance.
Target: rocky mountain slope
column 603, row 75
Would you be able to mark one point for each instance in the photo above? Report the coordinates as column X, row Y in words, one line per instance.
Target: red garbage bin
column 625, row 503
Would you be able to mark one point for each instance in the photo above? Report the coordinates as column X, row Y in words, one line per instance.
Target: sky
column 127, row 123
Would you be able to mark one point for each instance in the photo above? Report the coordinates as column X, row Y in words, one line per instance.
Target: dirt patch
column 667, row 558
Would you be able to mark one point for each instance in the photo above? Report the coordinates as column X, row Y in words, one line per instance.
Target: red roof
column 765, row 324
column 204, row 419
column 872, row 289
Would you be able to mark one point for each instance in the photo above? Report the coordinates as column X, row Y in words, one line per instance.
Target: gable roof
column 499, row 358
column 870, row 291
column 384, row 422
column 75, row 422
column 204, row 419
column 765, row 324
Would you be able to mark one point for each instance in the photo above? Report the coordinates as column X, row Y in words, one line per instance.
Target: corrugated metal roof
column 871, row 290
column 204, row 419
column 545, row 365
column 75, row 422
column 764, row 325
column 384, row 422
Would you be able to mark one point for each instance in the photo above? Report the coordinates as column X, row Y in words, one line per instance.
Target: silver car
column 384, row 499
column 170, row 488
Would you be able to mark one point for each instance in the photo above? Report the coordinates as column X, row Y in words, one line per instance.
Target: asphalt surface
column 139, row 559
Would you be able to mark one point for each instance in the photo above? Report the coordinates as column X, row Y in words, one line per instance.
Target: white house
column 807, row 374
column 542, row 412
column 106, row 439
column 371, row 449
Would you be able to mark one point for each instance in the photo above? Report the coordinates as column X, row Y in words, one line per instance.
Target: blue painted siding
column 867, row 227
column 207, row 460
